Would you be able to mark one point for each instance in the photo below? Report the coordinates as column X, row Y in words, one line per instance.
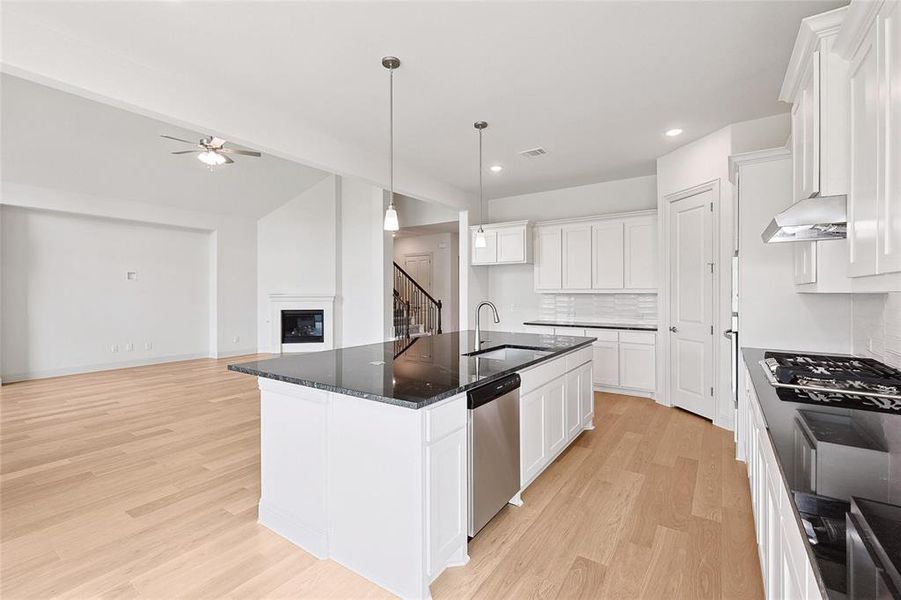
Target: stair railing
column 422, row 309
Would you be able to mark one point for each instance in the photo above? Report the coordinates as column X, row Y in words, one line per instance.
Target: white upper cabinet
column 870, row 42
column 805, row 120
column 640, row 262
column 549, row 258
column 607, row 254
column 577, row 256
column 505, row 243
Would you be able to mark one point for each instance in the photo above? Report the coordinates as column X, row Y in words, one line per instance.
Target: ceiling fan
column 211, row 150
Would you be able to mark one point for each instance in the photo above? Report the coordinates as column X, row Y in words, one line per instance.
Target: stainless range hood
column 820, row 218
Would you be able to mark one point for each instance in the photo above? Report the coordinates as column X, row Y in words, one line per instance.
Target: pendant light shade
column 391, row 222
column 480, row 240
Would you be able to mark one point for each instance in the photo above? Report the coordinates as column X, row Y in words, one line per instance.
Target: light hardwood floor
column 144, row 482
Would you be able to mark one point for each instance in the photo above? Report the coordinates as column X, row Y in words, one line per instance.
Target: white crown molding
column 812, row 30
column 858, row 20
column 604, row 217
column 736, row 161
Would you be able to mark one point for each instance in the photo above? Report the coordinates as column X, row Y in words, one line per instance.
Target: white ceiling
column 62, row 141
column 595, row 83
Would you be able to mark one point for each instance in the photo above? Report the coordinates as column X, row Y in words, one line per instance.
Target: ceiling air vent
column 533, row 152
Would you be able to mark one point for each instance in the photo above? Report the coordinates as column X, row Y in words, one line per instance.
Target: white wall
column 444, row 248
column 772, row 313
column 233, row 254
column 511, row 287
column 412, row 212
column 67, row 301
column 297, row 250
column 700, row 162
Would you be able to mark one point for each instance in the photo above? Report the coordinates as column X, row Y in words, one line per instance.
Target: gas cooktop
column 840, row 381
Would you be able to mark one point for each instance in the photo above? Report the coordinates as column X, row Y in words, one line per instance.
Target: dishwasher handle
column 493, row 390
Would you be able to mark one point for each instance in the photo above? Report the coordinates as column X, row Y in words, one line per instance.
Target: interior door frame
column 712, row 186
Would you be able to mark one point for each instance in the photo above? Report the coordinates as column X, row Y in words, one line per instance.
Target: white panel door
column 607, row 253
column 554, row 416
column 577, row 257
column 549, row 263
column 448, row 527
column 605, row 360
column 511, row 245
column 573, row 408
column 488, row 254
column 691, row 303
column 419, row 267
column 640, row 261
column 532, row 448
column 862, row 215
column 889, row 200
column 637, row 366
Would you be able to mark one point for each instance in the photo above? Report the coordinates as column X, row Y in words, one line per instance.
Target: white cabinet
column 805, row 265
column 549, row 260
column 874, row 195
column 577, row 256
column 640, row 261
column 555, row 406
column 607, row 248
column 447, row 480
column 805, row 123
column 505, row 243
column 624, row 360
column 605, row 254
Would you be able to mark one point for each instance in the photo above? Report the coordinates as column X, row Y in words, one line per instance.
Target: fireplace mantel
column 293, row 301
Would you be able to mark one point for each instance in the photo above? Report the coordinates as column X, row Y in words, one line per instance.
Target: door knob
column 673, row 329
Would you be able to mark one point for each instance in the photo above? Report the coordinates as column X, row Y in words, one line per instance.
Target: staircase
column 416, row 312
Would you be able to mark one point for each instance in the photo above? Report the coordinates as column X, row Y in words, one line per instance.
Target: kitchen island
column 364, row 449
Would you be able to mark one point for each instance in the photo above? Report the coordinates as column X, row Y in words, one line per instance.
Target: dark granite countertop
column 432, row 368
column 590, row 325
column 780, row 417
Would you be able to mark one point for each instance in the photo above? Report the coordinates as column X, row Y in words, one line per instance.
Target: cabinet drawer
column 603, row 335
column 638, row 337
column 569, row 331
column 445, row 418
column 578, row 358
column 541, row 374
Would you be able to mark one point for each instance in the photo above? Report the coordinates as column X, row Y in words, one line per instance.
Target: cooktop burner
column 841, row 381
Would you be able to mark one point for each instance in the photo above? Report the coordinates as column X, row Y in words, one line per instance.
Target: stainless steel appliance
column 493, row 440
column 873, row 554
column 820, row 218
column 836, row 381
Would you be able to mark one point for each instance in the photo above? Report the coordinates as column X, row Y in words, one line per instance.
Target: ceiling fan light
column 211, row 158
column 391, row 222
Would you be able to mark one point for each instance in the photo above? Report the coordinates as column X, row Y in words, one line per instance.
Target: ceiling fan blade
column 187, row 152
column 228, row 161
column 178, row 139
column 241, row 152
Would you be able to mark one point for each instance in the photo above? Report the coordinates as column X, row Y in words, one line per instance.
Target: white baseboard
column 140, row 362
column 230, row 353
column 625, row 391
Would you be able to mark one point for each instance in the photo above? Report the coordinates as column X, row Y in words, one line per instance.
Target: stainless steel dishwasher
column 493, row 434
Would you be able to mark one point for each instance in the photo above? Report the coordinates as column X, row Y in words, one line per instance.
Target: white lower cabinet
column 625, row 360
column 606, row 363
column 784, row 563
column 446, row 464
column 637, row 366
column 553, row 414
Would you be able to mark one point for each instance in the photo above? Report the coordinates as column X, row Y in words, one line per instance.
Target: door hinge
column 710, row 264
column 711, row 330
column 711, row 207
column 711, row 391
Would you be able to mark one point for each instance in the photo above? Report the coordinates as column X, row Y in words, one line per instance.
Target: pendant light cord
column 481, row 210
column 391, row 136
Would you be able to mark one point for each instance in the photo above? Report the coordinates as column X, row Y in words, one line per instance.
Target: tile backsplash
column 876, row 327
column 598, row 307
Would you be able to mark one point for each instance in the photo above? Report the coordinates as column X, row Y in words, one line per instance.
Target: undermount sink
column 509, row 353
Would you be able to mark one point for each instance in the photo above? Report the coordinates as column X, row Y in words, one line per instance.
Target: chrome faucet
column 479, row 323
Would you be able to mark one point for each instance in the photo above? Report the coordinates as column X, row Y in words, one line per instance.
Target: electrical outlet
column 148, row 345
column 114, row 348
column 236, row 339
column 129, row 347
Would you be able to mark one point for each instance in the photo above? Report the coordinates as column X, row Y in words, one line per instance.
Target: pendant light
column 480, row 241
column 391, row 223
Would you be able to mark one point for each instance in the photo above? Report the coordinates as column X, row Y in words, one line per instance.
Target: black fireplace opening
column 302, row 326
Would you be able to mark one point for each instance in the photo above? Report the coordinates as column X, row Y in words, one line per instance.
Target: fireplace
column 303, row 326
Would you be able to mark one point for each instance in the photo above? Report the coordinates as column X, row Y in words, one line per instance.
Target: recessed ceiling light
column 673, row 132
column 496, row 168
